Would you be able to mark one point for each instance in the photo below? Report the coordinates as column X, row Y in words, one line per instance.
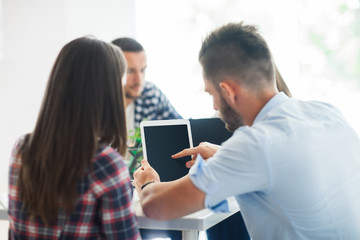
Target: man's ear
column 229, row 89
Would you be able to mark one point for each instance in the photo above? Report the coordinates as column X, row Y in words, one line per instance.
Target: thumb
column 189, row 164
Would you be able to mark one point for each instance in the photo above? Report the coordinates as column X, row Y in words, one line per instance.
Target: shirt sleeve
column 165, row 109
column 196, row 173
column 238, row 167
column 118, row 220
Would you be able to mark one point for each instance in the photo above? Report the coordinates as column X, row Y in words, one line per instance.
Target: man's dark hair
column 237, row 51
column 128, row 44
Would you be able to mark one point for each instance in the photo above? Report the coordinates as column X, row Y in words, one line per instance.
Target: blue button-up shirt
column 295, row 173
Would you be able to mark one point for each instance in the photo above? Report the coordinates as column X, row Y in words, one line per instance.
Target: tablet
column 163, row 138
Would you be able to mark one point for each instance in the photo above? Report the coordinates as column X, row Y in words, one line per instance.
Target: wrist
column 145, row 184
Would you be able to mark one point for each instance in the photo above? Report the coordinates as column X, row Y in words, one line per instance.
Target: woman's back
column 67, row 177
column 104, row 196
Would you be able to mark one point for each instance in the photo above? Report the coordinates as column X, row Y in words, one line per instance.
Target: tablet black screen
column 161, row 143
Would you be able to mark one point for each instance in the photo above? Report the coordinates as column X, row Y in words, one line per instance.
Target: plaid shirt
column 153, row 105
column 103, row 210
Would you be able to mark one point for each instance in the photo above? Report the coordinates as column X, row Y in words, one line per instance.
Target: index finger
column 186, row 152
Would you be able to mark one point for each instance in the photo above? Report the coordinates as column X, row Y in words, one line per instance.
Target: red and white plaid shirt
column 103, row 210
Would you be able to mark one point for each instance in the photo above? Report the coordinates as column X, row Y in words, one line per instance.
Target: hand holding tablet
column 144, row 175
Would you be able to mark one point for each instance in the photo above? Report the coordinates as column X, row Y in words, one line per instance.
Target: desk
column 190, row 225
column 3, row 214
column 3, row 206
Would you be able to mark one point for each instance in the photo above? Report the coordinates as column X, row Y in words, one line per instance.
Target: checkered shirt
column 153, row 105
column 103, row 210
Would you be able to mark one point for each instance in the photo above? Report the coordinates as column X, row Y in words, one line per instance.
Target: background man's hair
column 237, row 51
column 128, row 44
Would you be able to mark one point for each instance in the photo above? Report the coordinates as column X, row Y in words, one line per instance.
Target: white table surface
column 3, row 214
column 3, row 206
column 198, row 221
column 190, row 224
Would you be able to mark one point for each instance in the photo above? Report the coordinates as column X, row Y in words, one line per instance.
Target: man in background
column 144, row 100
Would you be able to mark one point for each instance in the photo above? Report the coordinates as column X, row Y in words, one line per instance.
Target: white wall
column 33, row 33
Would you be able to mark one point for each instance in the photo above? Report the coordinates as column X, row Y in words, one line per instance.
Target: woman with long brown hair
column 67, row 178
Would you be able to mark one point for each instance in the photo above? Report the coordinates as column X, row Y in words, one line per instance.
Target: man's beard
column 232, row 119
column 129, row 96
column 128, row 93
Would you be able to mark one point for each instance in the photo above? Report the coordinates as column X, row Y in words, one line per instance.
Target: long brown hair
column 83, row 107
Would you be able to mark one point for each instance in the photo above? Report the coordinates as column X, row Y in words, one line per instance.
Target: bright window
column 314, row 43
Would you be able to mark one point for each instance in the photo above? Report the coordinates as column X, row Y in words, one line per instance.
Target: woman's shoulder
column 109, row 170
column 108, row 160
column 107, row 152
column 16, row 150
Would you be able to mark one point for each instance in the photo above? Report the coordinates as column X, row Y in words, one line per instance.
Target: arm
column 166, row 200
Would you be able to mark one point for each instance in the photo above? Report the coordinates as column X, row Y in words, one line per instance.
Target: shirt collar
column 272, row 103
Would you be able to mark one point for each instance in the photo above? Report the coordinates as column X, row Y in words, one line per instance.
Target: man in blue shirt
column 293, row 166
